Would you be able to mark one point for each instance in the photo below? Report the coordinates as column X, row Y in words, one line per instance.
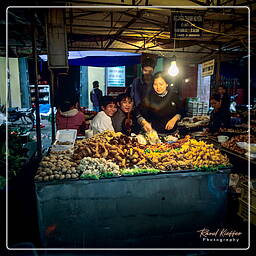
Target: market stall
column 112, row 191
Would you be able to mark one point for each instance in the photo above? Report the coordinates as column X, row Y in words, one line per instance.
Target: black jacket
column 118, row 121
column 159, row 110
column 218, row 119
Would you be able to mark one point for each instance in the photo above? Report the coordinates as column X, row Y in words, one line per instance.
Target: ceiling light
column 173, row 69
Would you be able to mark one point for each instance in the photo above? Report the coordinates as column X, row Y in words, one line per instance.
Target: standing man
column 95, row 96
column 141, row 85
column 140, row 88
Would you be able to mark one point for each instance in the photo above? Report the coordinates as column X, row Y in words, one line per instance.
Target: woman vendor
column 160, row 109
column 218, row 117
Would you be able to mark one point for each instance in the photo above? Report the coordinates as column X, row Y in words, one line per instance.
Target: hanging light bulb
column 173, row 69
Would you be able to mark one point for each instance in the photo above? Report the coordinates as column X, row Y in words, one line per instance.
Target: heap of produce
column 57, row 167
column 112, row 154
column 197, row 121
column 166, row 147
column 232, row 143
column 192, row 154
column 231, row 130
column 95, row 168
column 118, row 148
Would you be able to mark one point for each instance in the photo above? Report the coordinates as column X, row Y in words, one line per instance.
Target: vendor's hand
column 170, row 124
column 146, row 126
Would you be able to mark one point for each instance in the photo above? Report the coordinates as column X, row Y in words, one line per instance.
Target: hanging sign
column 116, row 76
column 182, row 25
column 208, row 68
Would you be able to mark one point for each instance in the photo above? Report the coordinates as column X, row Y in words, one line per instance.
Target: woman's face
column 215, row 104
column 160, row 86
column 126, row 105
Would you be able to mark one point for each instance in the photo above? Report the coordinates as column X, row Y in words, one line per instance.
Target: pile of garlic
column 97, row 167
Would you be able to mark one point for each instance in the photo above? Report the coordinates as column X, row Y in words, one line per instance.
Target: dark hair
column 223, row 86
column 95, row 84
column 163, row 75
column 122, row 96
column 67, row 105
column 105, row 100
column 148, row 62
column 215, row 97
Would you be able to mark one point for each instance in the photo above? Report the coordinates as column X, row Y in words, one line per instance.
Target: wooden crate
column 243, row 211
column 244, row 193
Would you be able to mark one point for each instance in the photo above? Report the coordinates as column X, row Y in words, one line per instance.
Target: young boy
column 123, row 120
column 102, row 121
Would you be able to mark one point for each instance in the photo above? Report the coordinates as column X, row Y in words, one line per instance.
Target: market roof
column 142, row 29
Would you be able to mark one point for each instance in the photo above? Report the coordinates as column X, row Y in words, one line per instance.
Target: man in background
column 141, row 85
column 95, row 96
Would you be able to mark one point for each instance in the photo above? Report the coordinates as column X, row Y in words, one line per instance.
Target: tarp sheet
column 101, row 58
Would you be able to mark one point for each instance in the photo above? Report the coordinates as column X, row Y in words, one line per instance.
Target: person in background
column 68, row 117
column 95, row 96
column 160, row 109
column 218, row 117
column 102, row 121
column 140, row 85
column 124, row 119
column 225, row 99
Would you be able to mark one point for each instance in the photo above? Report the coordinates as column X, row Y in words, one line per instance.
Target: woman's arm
column 171, row 123
column 142, row 121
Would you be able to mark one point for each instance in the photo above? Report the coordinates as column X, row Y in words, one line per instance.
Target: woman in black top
column 160, row 108
column 224, row 98
column 218, row 117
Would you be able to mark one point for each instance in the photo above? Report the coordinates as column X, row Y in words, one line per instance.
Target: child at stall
column 124, row 120
column 102, row 121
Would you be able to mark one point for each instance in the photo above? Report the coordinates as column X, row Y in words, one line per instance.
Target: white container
column 222, row 138
column 88, row 133
column 66, row 135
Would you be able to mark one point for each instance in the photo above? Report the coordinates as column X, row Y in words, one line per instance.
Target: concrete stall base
column 157, row 211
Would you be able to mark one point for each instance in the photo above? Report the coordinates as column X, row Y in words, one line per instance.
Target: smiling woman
column 161, row 107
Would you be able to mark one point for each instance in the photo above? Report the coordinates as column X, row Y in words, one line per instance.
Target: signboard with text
column 116, row 76
column 182, row 25
column 208, row 68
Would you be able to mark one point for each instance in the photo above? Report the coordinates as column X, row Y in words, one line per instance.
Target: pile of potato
column 57, row 167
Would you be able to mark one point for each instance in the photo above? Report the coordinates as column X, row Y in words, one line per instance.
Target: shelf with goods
column 43, row 91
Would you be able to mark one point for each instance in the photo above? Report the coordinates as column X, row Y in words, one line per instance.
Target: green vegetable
column 89, row 176
column 107, row 175
column 139, row 171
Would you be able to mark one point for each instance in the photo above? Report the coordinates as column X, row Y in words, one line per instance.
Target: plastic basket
column 243, row 211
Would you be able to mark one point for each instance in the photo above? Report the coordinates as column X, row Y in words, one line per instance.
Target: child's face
column 126, row 105
column 110, row 109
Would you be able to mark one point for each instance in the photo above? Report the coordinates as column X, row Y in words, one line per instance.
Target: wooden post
column 38, row 128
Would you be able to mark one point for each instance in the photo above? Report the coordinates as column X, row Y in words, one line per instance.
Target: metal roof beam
column 121, row 30
column 198, row 2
